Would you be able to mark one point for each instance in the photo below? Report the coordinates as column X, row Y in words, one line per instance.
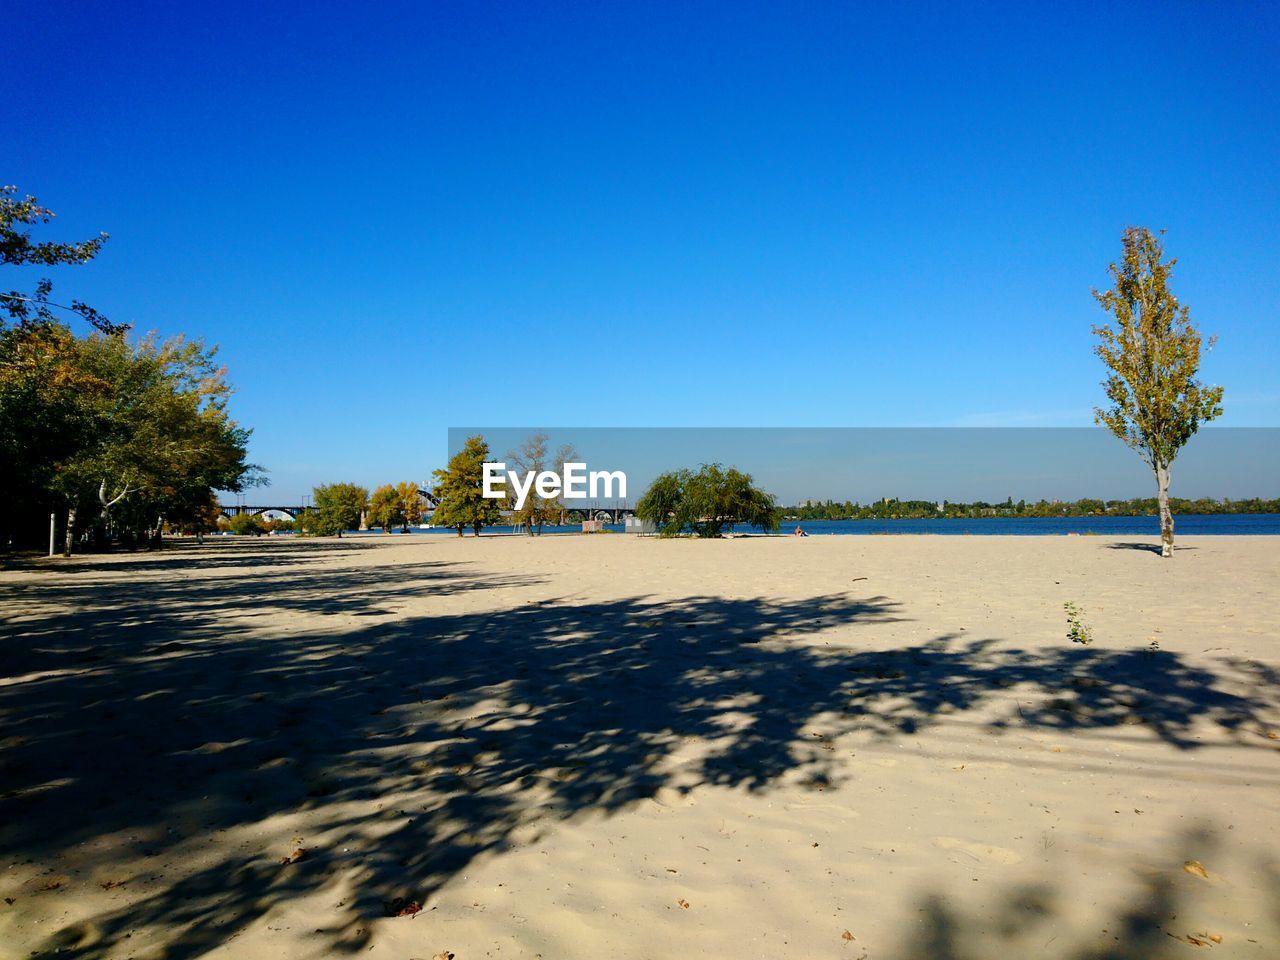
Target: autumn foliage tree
column 120, row 436
column 410, row 503
column 1153, row 353
column 385, row 509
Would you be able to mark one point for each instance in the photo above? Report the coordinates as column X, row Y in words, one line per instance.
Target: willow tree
column 1153, row 353
column 706, row 502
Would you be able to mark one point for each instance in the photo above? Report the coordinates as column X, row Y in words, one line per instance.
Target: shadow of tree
column 187, row 554
column 421, row 743
column 1145, row 547
column 1165, row 911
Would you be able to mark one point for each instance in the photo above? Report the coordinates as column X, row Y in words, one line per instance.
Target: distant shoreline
column 1232, row 524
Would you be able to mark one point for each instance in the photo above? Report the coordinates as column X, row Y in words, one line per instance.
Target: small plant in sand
column 1077, row 630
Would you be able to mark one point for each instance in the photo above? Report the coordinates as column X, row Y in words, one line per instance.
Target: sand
column 590, row 747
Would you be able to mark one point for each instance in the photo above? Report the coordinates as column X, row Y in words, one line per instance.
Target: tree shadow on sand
column 1166, row 911
column 414, row 745
column 1143, row 547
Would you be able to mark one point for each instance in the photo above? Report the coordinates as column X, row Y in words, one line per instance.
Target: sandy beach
column 587, row 747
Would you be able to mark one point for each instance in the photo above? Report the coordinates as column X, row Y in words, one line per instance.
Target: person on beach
column 799, row 532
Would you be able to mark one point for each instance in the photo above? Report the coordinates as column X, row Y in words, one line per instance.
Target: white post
column 53, row 526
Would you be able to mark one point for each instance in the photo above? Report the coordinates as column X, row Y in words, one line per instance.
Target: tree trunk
column 460, row 530
column 71, row 530
column 1166, row 515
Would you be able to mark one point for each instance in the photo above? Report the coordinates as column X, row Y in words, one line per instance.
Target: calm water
column 1234, row 524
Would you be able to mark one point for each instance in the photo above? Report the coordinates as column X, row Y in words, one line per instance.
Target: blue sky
column 394, row 219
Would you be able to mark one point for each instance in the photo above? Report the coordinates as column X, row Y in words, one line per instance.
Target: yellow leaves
column 1196, row 869
column 1200, row 939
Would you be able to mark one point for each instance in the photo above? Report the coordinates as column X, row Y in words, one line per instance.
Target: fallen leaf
column 111, row 884
column 400, row 907
column 1196, row 869
column 846, row 936
column 684, row 904
column 293, row 857
column 443, row 955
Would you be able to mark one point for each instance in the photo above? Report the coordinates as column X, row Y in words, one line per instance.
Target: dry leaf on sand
column 400, row 907
column 1196, row 869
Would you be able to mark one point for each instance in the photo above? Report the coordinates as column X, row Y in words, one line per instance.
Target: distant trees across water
column 890, row 509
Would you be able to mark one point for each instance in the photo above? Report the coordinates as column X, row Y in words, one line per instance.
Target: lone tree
column 460, row 490
column 532, row 457
column 706, row 502
column 1153, row 352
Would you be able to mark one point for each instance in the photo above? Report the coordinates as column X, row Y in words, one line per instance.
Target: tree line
column 892, row 509
column 457, row 491
column 105, row 437
column 700, row 503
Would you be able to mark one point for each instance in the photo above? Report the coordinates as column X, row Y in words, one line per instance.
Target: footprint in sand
column 979, row 851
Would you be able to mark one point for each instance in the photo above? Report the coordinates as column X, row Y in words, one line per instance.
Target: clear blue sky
column 399, row 218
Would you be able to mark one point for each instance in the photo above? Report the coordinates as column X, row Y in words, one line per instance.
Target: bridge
column 228, row 510
column 235, row 509
column 607, row 514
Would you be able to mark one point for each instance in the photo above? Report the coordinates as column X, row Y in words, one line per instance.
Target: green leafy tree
column 201, row 519
column 706, row 502
column 246, row 525
column 338, row 507
column 18, row 249
column 1153, row 353
column 132, row 434
column 385, row 508
column 304, row 523
column 460, row 490
column 135, row 434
